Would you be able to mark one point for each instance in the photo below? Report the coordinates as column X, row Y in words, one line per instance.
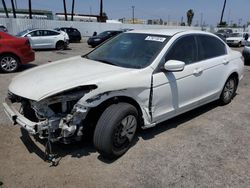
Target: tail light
column 27, row 43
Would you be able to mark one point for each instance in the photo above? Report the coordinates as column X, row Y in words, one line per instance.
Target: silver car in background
column 46, row 38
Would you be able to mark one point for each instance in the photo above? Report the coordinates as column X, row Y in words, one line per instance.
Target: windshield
column 130, row 50
column 22, row 33
column 236, row 35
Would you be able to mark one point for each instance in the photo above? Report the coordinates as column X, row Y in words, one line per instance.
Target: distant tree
column 234, row 25
column 222, row 24
column 222, row 12
column 183, row 24
column 5, row 8
column 190, row 15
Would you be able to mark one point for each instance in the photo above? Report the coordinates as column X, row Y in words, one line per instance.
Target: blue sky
column 173, row 10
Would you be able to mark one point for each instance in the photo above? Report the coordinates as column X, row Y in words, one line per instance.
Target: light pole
column 133, row 14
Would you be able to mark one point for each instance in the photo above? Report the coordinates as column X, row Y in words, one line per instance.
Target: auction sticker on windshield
column 155, row 38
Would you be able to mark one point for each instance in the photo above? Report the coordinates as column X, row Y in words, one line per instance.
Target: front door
column 177, row 92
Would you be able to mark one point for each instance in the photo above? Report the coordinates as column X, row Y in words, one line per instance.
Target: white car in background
column 236, row 39
column 136, row 79
column 46, row 38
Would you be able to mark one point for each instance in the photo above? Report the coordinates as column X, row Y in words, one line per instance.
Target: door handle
column 225, row 62
column 198, row 71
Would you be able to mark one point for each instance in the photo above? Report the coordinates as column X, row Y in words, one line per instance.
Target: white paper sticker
column 155, row 38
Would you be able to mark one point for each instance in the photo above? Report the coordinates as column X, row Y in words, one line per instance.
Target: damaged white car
column 137, row 79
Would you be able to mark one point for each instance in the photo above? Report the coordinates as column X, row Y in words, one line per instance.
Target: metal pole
column 30, row 11
column 72, row 12
column 65, row 10
column 13, row 8
column 133, row 14
column 5, row 9
column 101, row 11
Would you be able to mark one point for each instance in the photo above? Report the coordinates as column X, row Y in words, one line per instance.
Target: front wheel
column 9, row 63
column 228, row 91
column 115, row 130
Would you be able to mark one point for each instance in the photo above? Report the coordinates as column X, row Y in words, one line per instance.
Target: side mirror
column 246, row 36
column 174, row 65
column 29, row 35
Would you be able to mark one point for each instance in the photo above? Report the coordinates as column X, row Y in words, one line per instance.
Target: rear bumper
column 17, row 118
column 28, row 57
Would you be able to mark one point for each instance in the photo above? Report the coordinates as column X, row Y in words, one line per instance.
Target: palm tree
column 65, row 10
column 101, row 10
column 222, row 13
column 30, row 10
column 13, row 8
column 5, row 9
column 72, row 11
column 190, row 15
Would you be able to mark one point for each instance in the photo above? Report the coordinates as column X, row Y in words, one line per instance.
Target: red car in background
column 14, row 51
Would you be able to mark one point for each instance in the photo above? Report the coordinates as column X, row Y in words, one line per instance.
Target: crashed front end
column 58, row 118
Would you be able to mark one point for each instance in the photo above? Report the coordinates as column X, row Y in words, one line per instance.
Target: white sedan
column 46, row 38
column 236, row 39
column 137, row 79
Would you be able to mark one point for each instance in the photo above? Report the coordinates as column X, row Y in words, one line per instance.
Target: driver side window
column 184, row 49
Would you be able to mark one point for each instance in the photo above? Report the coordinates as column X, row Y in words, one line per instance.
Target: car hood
column 234, row 38
column 44, row 81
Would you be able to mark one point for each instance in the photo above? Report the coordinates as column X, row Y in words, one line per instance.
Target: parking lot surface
column 207, row 147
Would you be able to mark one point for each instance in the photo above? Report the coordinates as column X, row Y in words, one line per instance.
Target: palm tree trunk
column 30, row 10
column 5, row 9
column 222, row 13
column 72, row 11
column 101, row 10
column 13, row 8
column 65, row 10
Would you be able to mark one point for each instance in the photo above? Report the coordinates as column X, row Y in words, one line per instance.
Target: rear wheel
column 60, row 45
column 115, row 130
column 229, row 90
column 9, row 63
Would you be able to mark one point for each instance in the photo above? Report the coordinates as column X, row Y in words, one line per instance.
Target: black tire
column 9, row 63
column 228, row 91
column 109, row 138
column 60, row 45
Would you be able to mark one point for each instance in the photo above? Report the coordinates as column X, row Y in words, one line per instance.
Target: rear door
column 214, row 62
column 50, row 38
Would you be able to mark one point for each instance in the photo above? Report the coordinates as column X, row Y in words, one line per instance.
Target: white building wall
column 86, row 28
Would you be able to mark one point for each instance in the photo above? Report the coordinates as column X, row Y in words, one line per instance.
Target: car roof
column 167, row 32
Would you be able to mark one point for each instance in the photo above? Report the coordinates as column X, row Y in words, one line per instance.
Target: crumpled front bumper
column 17, row 118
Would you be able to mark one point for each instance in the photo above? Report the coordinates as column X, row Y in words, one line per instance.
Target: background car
column 100, row 38
column 73, row 33
column 225, row 32
column 3, row 28
column 14, row 51
column 236, row 39
column 46, row 38
column 246, row 52
column 221, row 36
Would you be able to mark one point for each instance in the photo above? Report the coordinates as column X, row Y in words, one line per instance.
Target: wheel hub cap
column 229, row 89
column 8, row 64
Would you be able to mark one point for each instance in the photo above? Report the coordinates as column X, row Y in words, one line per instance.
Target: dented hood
column 44, row 81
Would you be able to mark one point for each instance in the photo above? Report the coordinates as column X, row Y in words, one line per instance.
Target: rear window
column 210, row 47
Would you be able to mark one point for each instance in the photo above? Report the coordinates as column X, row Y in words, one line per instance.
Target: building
column 24, row 13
